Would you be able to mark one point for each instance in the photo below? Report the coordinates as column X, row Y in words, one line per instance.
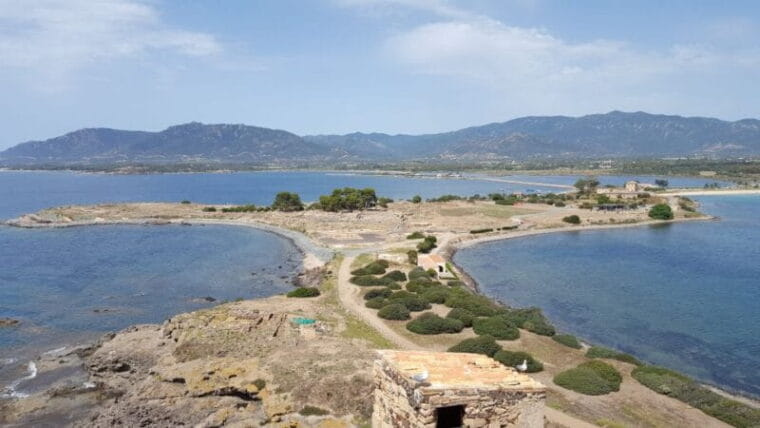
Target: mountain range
column 615, row 134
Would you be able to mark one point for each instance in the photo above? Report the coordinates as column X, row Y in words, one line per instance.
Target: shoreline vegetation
column 451, row 219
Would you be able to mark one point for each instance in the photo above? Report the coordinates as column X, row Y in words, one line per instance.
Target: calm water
column 686, row 296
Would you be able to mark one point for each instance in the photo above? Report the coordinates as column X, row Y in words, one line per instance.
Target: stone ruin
column 458, row 390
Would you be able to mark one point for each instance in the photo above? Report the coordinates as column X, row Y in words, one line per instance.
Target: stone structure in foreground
column 458, row 390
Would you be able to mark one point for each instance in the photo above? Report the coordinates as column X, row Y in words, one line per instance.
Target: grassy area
column 358, row 329
column 362, row 260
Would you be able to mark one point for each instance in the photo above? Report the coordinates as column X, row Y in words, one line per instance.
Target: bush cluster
column 409, row 300
column 531, row 319
column 497, row 327
column 370, row 281
column 348, row 199
column 486, row 230
column 485, row 345
column 427, row 244
column 241, row 209
column 661, row 212
column 395, row 275
column 376, row 302
column 572, row 219
column 209, row 209
column 394, row 311
column 512, row 359
column 304, row 292
column 590, row 378
column 436, row 294
column 456, row 283
column 378, row 292
column 682, row 388
column 419, row 285
column 287, row 201
column 477, row 305
column 377, row 267
column 418, row 273
column 430, row 323
column 599, row 352
column 568, row 340
column 463, row 315
column 415, row 235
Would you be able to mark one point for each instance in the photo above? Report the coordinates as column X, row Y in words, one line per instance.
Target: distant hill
column 614, row 134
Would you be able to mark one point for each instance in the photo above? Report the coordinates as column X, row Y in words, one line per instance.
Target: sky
column 395, row 66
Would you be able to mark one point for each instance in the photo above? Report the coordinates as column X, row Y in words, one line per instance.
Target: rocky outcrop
column 9, row 322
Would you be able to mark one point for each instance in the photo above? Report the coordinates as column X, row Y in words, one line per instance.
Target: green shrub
column 463, row 315
column 682, row 388
column 590, row 378
column 512, row 359
column 260, row 383
column 415, row 235
column 287, row 201
column 661, row 212
column 393, row 286
column 411, row 257
column 456, row 283
column 313, row 411
column 437, row 294
column 378, row 292
column 369, row 281
column 531, row 319
column 478, row 305
column 394, row 311
column 376, row 302
column 599, row 352
column 568, row 340
column 430, row 323
column 420, row 284
column 185, row 202
column 486, row 230
column 485, row 345
column 395, row 275
column 427, row 244
column 304, row 292
column 377, row 267
column 559, row 204
column 240, row 209
column 495, row 326
column 209, row 209
column 411, row 301
column 417, row 273
column 416, row 199
column 348, row 199
column 572, row 219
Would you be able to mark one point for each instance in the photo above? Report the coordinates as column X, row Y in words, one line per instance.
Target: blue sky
column 397, row 66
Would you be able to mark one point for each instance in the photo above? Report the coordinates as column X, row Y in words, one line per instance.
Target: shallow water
column 685, row 296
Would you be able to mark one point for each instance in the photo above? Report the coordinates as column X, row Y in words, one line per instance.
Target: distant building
column 436, row 263
column 446, row 389
column 631, row 190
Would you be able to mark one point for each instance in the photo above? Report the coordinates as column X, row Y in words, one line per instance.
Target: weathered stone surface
column 215, row 376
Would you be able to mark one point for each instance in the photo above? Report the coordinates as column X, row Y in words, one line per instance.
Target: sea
column 70, row 286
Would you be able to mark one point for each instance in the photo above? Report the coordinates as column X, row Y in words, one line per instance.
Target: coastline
column 449, row 249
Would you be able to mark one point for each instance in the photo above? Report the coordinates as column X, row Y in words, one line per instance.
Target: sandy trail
column 351, row 299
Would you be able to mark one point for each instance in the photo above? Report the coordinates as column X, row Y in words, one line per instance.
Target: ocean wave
column 10, row 390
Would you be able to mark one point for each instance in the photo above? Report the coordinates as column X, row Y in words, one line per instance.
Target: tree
column 416, row 199
column 286, row 201
column 603, row 199
column 585, row 185
column 348, row 199
column 661, row 212
column 661, row 182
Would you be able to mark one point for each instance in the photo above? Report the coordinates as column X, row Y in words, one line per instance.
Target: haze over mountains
column 615, row 134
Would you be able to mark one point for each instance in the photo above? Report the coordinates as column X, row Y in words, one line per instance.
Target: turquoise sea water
column 685, row 296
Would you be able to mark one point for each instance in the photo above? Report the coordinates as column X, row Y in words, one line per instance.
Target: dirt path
column 351, row 299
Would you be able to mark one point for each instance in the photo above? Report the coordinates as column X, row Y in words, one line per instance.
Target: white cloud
column 441, row 8
column 59, row 36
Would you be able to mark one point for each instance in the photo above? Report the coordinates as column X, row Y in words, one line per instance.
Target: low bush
column 512, row 359
column 559, row 204
column 463, row 315
column 478, row 305
column 393, row 286
column 313, row 411
column 240, row 209
column 395, row 275
column 417, row 273
column 378, row 292
column 369, row 281
column 430, row 323
column 437, row 294
column 495, row 326
column 377, row 267
column 376, row 302
column 572, row 219
column 682, row 388
column 661, row 212
column 415, row 235
column 411, row 257
column 568, row 340
column 420, row 284
column 304, row 292
column 590, row 378
column 209, row 209
column 485, row 345
column 599, row 352
column 456, row 283
column 394, row 311
column 412, row 301
column 486, row 230
column 185, row 202
column 427, row 244
column 531, row 319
